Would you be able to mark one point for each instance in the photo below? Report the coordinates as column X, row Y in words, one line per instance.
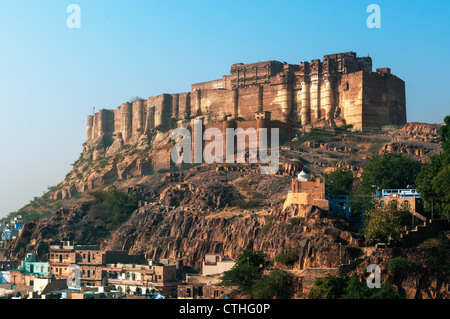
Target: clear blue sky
column 51, row 76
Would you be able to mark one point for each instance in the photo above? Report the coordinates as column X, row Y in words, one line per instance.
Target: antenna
column 93, row 110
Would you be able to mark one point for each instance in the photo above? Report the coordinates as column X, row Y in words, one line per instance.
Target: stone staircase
column 407, row 237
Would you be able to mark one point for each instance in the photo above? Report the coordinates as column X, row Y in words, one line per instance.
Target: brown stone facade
column 341, row 86
column 90, row 259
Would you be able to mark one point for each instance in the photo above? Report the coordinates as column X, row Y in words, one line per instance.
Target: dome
column 302, row 176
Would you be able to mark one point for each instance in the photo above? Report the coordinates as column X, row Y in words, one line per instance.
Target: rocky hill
column 104, row 162
column 187, row 211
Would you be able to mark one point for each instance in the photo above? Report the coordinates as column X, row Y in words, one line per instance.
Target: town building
column 203, row 287
column 214, row 264
column 142, row 279
column 207, row 285
column 402, row 199
column 30, row 265
column 90, row 259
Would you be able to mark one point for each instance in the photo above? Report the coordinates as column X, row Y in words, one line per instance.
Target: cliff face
column 73, row 223
column 159, row 231
column 189, row 236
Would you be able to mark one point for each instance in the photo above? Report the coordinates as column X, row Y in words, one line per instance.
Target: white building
column 214, row 264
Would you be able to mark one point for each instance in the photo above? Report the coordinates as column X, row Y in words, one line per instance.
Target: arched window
column 381, row 203
column 405, row 204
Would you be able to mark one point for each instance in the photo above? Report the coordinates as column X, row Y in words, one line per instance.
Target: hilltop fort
column 340, row 90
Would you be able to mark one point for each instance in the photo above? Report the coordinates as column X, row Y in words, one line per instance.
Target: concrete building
column 214, row 264
column 31, row 266
column 142, row 279
column 403, row 199
column 203, row 287
column 90, row 259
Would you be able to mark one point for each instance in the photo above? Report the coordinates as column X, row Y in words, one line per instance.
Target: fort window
column 346, row 86
column 405, row 204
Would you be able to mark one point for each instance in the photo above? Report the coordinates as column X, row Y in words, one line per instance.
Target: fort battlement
column 338, row 86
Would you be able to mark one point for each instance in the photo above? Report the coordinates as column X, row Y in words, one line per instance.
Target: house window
column 382, row 203
column 405, row 204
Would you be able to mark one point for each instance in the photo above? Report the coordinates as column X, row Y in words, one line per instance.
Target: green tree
column 277, row 284
column 243, row 276
column 246, row 271
column 445, row 134
column 340, row 182
column 330, row 287
column 288, row 258
column 384, row 223
column 389, row 171
column 401, row 266
column 113, row 206
column 333, row 287
column 254, row 258
column 386, row 291
column 355, row 289
column 434, row 177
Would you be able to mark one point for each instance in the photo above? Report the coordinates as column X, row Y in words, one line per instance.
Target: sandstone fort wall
column 341, row 86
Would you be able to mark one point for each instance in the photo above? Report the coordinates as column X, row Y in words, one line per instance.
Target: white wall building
column 214, row 264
